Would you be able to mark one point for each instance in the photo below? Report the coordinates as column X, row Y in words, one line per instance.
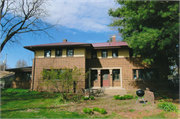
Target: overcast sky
column 79, row 21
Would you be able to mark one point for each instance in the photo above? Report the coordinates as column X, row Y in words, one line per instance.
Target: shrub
column 91, row 97
column 85, row 98
column 128, row 96
column 103, row 111
column 96, row 109
column 87, row 110
column 116, row 97
column 167, row 106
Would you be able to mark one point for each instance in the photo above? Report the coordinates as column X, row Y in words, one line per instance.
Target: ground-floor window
column 116, row 73
column 145, row 73
column 26, row 76
column 94, row 75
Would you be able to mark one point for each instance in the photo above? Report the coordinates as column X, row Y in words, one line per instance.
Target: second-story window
column 70, row 52
column 93, row 54
column 58, row 52
column 47, row 53
column 115, row 53
column 104, row 53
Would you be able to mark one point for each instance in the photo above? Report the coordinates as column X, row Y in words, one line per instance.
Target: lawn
column 20, row 103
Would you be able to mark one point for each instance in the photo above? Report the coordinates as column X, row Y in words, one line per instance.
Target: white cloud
column 74, row 33
column 83, row 15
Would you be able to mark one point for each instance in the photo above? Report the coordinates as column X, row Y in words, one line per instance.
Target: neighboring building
column 22, row 78
column 6, row 77
column 110, row 64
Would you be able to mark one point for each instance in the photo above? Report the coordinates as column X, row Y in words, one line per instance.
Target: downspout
column 33, row 72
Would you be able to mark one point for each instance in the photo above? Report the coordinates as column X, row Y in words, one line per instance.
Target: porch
column 110, row 77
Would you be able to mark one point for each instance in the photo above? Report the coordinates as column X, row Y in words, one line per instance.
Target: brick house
column 110, row 64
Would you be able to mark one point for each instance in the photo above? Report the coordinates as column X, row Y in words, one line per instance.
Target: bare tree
column 21, row 63
column 22, row 16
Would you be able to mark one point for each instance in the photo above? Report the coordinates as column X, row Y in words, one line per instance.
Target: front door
column 105, row 78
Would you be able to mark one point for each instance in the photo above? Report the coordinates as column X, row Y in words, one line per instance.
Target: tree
column 21, row 63
column 64, row 80
column 21, row 16
column 151, row 28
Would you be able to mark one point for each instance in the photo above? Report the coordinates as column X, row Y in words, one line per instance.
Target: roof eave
column 33, row 48
column 110, row 47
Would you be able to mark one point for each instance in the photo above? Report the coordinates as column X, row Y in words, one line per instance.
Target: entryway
column 105, row 78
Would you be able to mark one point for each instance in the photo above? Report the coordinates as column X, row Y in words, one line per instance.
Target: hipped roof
column 106, row 45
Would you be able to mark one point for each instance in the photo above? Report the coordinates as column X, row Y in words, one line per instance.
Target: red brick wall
column 57, row 63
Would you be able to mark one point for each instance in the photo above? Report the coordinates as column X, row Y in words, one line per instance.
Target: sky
column 78, row 21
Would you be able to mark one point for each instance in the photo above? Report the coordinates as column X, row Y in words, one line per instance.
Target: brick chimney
column 113, row 38
column 64, row 40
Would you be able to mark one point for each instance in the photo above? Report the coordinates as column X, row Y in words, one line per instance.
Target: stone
column 149, row 96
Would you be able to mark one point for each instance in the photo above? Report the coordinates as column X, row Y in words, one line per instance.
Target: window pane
column 70, row 52
column 93, row 54
column 148, row 74
column 94, row 75
column 134, row 74
column 47, row 53
column 104, row 53
column 59, row 52
column 115, row 53
column 116, row 74
column 26, row 76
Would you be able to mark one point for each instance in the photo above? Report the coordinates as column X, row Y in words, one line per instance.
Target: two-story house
column 110, row 64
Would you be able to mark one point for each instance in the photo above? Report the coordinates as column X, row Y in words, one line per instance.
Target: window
column 26, row 76
column 104, row 53
column 134, row 74
column 116, row 73
column 115, row 52
column 47, row 53
column 94, row 75
column 93, row 54
column 145, row 74
column 58, row 52
column 70, row 52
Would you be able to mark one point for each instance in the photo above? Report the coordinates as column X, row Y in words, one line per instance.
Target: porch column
column 110, row 78
column 89, row 78
column 99, row 77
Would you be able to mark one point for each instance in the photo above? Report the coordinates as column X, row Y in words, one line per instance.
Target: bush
column 117, row 97
column 167, row 106
column 87, row 110
column 96, row 109
column 103, row 111
column 91, row 97
column 85, row 98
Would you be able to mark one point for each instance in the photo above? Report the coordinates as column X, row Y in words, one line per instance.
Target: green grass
column 19, row 103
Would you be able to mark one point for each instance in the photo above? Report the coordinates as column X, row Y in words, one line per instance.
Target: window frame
column 72, row 52
column 45, row 52
column 94, row 52
column 102, row 53
column 60, row 53
column 144, row 74
column 116, row 51
column 113, row 73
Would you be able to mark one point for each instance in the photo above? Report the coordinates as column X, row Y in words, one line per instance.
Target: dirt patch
column 121, row 108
